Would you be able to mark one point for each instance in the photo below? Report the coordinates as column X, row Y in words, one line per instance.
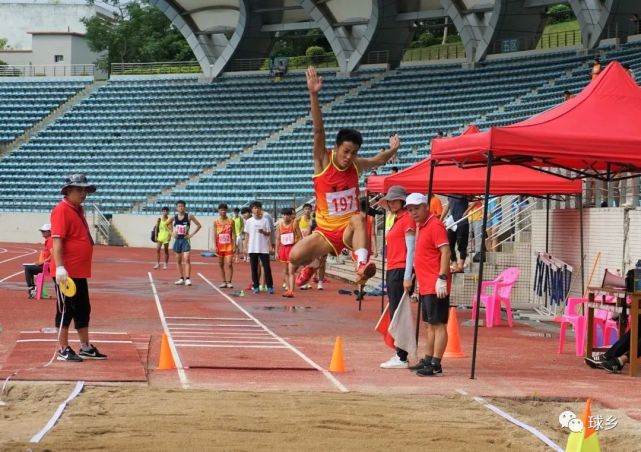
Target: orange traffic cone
column 338, row 361
column 453, row 349
column 166, row 361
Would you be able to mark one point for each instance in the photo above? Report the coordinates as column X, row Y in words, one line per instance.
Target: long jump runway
column 219, row 333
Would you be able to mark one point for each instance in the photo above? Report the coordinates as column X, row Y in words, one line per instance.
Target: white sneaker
column 395, row 363
column 164, row 266
column 222, row 286
column 320, row 285
column 180, row 282
column 188, row 282
column 156, row 267
column 230, row 285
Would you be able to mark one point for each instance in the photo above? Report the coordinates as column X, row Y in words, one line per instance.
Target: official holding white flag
column 400, row 260
column 432, row 265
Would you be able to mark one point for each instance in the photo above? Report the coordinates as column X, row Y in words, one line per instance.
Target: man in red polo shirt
column 432, row 267
column 400, row 260
column 72, row 251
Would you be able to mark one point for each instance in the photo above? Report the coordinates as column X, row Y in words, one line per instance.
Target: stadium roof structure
column 595, row 134
column 360, row 31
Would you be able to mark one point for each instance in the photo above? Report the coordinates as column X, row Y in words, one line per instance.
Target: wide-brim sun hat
column 77, row 180
column 45, row 227
column 395, row 193
column 415, row 199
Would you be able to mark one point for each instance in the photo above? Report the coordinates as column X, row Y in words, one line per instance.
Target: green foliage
column 560, row 13
column 2, row 63
column 3, row 43
column 314, row 51
column 295, row 43
column 138, row 33
column 425, row 39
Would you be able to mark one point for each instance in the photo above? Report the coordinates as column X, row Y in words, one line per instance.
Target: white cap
column 414, row 199
column 45, row 227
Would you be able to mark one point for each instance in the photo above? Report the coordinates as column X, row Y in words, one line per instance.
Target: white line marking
column 97, row 341
column 21, row 255
column 179, row 365
column 249, row 341
column 209, row 318
column 304, row 357
column 232, row 346
column 205, row 328
column 93, row 333
column 56, row 415
column 11, row 276
column 211, row 324
column 462, row 391
column 224, row 334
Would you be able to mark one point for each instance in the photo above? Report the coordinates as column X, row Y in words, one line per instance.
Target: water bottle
column 637, row 277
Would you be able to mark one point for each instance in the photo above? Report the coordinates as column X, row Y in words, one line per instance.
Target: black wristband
column 443, row 277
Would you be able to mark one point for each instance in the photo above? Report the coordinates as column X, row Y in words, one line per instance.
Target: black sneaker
column 613, row 366
column 428, row 371
column 92, row 353
column 31, row 292
column 595, row 361
column 420, row 365
column 68, row 355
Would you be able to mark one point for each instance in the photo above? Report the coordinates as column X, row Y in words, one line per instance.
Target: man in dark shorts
column 72, row 252
column 181, row 223
column 432, row 267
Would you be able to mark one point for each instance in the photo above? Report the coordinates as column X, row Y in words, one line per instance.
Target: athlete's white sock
column 361, row 255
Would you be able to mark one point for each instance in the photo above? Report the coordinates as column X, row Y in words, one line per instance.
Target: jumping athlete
column 181, row 223
column 224, row 240
column 336, row 175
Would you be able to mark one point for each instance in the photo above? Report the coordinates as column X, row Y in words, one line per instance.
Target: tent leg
column 582, row 259
column 482, row 261
column 547, row 234
column 383, row 282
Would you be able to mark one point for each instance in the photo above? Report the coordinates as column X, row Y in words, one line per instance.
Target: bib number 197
column 341, row 202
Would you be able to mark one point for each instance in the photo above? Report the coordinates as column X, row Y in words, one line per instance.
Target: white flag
column 402, row 327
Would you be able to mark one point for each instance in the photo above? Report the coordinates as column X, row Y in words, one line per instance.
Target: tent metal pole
column 547, row 223
column 582, row 259
column 488, row 176
column 383, row 282
column 430, row 185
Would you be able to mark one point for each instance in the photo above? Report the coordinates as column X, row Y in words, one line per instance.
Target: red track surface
column 516, row 362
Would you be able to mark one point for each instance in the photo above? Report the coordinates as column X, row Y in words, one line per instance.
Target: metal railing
column 446, row 52
column 166, row 67
column 101, row 224
column 545, row 41
column 53, row 70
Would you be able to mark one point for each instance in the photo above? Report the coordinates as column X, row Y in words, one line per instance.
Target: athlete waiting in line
column 181, row 223
column 224, row 242
column 336, row 184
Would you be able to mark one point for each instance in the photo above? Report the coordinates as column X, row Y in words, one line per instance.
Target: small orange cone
column 453, row 349
column 166, row 361
column 338, row 361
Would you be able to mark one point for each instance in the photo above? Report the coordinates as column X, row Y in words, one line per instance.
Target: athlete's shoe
column 320, row 286
column 289, row 294
column 68, row 355
column 255, row 290
column 180, row 282
column 285, row 286
column 305, row 287
column 595, row 361
column 156, row 267
column 431, row 370
column 394, row 363
column 270, row 290
column 419, row 365
column 230, row 285
column 613, row 366
column 188, row 282
column 223, row 285
column 304, row 276
column 365, row 272
column 263, row 288
column 92, row 353
column 164, row 266
column 31, row 292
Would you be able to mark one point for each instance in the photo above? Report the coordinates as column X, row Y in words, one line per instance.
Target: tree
column 137, row 33
column 3, row 43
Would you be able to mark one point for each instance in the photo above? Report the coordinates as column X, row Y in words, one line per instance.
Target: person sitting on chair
column 616, row 357
column 31, row 270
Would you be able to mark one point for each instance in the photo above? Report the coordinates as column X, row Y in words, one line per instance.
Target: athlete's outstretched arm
column 382, row 157
column 314, row 85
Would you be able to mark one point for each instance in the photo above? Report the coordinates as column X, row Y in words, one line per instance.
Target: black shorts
column 435, row 310
column 76, row 307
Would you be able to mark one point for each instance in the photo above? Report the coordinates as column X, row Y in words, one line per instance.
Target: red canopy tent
column 595, row 134
column 506, row 180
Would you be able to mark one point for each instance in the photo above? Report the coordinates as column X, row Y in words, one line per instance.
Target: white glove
column 61, row 274
column 441, row 288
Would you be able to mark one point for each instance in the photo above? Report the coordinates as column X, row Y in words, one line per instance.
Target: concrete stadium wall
column 21, row 227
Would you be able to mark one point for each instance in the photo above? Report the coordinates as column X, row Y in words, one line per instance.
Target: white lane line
column 233, row 346
column 210, row 318
column 249, row 341
column 224, row 325
column 93, row 333
column 20, row 256
column 11, row 276
column 225, row 334
column 304, row 357
column 182, row 375
column 206, row 328
column 97, row 341
column 56, row 415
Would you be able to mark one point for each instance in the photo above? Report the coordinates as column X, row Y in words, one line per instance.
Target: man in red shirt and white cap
column 432, row 268
column 72, row 252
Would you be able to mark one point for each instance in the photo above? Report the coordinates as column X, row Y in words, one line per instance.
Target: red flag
column 383, row 327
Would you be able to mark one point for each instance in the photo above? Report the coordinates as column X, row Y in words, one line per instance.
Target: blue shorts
column 182, row 246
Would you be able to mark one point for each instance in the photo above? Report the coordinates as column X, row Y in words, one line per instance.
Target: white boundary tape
column 184, row 381
column 537, row 433
column 56, row 415
column 304, row 357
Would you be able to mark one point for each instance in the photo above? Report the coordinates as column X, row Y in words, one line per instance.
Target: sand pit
column 133, row 417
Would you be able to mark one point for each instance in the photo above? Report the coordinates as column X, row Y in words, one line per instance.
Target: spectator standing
column 31, row 270
column 258, row 233
column 458, row 234
column 596, row 68
column 238, row 229
column 431, row 263
column 400, row 260
column 72, row 253
column 163, row 237
column 474, row 215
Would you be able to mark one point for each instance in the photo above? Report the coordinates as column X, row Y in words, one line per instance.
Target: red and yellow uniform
column 287, row 238
column 224, row 237
column 337, row 201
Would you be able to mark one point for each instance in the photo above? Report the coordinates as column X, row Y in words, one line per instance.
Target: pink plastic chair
column 603, row 320
column 40, row 279
column 500, row 292
column 575, row 315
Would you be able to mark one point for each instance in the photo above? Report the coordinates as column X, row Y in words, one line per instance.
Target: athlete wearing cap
column 336, row 174
column 72, row 252
column 31, row 270
column 432, row 267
